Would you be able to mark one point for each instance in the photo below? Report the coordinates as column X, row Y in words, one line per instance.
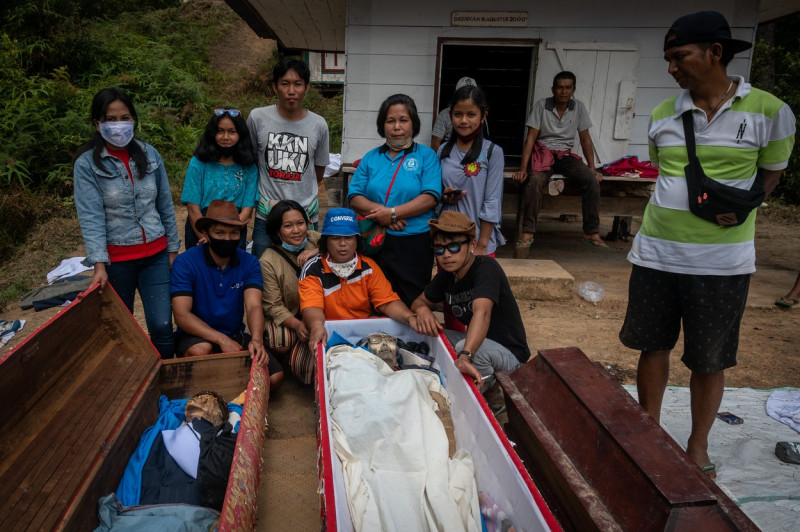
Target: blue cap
column 340, row 222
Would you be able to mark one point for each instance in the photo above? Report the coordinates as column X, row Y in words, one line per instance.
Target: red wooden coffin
column 601, row 461
column 77, row 395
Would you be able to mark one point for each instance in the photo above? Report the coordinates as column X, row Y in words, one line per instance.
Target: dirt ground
column 769, row 351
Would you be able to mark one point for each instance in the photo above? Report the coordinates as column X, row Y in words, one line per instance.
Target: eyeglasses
column 452, row 247
column 231, row 112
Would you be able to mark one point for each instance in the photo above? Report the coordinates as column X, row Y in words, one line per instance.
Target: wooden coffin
column 77, row 395
column 601, row 461
column 498, row 469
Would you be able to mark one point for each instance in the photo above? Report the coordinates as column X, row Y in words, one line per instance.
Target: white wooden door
column 606, row 75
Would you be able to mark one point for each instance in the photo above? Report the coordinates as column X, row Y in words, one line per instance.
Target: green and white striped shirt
column 754, row 129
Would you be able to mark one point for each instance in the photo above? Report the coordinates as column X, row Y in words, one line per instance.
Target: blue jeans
column 261, row 240
column 151, row 276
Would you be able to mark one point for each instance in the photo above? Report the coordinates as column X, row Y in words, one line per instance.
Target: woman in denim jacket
column 126, row 214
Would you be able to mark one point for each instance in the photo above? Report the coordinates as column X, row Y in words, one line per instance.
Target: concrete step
column 542, row 280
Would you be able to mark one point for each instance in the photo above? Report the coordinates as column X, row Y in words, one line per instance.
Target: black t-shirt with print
column 484, row 279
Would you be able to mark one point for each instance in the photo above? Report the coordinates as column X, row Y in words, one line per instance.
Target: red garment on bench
column 542, row 157
column 630, row 166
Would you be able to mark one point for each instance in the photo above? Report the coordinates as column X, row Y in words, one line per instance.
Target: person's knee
column 161, row 328
column 199, row 349
column 275, row 381
column 656, row 354
column 459, row 345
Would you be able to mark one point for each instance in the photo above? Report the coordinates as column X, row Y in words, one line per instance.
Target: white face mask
column 343, row 270
column 118, row 134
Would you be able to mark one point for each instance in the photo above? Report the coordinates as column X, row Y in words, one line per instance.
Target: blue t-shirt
column 217, row 294
column 206, row 182
column 420, row 173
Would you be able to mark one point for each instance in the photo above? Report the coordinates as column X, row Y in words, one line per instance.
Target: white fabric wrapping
column 67, row 268
column 394, row 450
column 784, row 405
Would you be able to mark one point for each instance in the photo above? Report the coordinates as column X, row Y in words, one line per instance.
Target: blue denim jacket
column 113, row 212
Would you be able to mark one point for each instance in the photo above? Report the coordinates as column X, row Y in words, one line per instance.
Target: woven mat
column 287, row 497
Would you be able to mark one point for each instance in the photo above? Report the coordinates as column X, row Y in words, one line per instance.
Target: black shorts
column 185, row 341
column 710, row 306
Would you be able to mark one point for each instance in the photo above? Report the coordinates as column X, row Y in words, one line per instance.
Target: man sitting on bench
column 212, row 286
column 553, row 122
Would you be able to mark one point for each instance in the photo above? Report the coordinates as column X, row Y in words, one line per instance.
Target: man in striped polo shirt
column 684, row 267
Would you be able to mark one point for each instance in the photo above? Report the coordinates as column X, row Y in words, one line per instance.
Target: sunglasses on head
column 452, row 247
column 230, row 112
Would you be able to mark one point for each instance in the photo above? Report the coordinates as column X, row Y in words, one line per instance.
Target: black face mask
column 226, row 151
column 223, row 248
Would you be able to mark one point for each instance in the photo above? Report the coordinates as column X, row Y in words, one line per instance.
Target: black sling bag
column 710, row 199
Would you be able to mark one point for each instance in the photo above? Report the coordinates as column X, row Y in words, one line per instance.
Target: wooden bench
column 623, row 197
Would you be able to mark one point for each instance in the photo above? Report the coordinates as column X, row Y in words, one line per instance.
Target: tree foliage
column 56, row 54
column 776, row 69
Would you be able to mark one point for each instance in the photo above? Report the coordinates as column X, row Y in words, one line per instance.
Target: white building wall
column 392, row 47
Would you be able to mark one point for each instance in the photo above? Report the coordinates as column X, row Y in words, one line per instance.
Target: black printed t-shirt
column 484, row 279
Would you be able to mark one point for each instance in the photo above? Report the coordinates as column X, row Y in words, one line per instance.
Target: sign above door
column 513, row 19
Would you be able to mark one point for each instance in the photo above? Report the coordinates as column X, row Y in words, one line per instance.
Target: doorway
column 506, row 71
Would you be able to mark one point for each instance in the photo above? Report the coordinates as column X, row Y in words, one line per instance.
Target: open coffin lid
column 76, row 396
column 498, row 469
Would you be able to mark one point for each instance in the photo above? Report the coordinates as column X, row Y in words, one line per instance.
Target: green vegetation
column 56, row 54
column 776, row 68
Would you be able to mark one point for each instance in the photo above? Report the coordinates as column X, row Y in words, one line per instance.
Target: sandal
column 788, row 452
column 524, row 243
column 787, row 302
column 595, row 243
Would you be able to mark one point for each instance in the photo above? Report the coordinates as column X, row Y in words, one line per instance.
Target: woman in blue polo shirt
column 397, row 185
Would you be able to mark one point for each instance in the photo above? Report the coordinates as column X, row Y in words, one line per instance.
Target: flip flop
column 524, row 243
column 595, row 243
column 710, row 470
column 787, row 302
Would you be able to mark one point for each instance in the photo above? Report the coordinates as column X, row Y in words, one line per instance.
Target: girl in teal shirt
column 223, row 167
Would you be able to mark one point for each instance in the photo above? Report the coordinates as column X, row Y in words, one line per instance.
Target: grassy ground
column 27, row 267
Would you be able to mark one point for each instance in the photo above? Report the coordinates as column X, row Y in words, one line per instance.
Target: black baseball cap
column 703, row 26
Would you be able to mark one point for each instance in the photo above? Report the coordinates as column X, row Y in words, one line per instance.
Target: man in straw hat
column 478, row 292
column 212, row 287
column 686, row 268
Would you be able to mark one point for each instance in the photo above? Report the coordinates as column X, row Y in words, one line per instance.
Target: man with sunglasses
column 292, row 146
column 478, row 292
